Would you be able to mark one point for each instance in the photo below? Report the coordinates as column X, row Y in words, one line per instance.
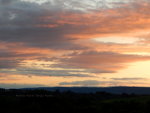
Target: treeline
column 43, row 101
column 57, row 93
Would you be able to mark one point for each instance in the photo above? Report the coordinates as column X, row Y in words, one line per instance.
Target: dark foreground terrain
column 42, row 101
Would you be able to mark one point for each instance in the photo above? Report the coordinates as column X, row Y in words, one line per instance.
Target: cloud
column 107, row 62
column 10, row 86
column 43, row 25
column 128, row 79
column 93, row 83
column 47, row 72
column 50, row 24
column 12, row 57
column 52, row 72
column 61, row 31
column 8, row 64
column 82, row 83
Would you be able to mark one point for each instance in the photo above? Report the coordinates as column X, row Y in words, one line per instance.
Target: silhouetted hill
column 114, row 90
column 36, row 100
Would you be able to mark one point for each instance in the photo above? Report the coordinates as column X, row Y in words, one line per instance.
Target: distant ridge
column 114, row 90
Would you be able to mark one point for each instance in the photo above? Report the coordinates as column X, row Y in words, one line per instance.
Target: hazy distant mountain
column 115, row 90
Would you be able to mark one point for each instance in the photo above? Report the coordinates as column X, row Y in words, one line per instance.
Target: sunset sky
column 74, row 43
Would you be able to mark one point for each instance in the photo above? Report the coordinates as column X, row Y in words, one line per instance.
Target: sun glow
column 118, row 40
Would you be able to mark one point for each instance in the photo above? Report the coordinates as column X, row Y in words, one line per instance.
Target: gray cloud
column 10, row 86
column 128, row 79
column 9, row 59
column 49, row 25
column 91, row 83
column 43, row 72
column 6, row 64
column 82, row 83
column 20, row 20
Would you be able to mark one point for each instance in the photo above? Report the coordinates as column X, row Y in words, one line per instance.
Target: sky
column 49, row 43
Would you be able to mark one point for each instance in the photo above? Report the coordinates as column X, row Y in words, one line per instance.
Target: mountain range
column 113, row 90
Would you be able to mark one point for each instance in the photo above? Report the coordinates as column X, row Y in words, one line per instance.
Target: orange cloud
column 102, row 62
column 129, row 18
column 64, row 36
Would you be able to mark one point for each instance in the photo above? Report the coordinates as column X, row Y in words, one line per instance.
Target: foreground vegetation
column 42, row 101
